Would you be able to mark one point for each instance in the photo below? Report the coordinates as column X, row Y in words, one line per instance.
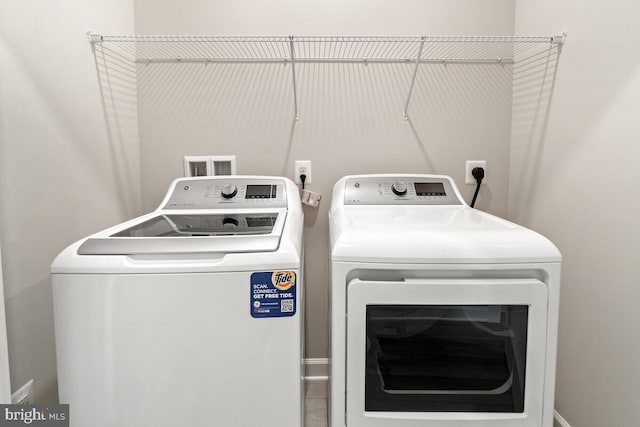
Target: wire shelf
column 411, row 50
column 324, row 49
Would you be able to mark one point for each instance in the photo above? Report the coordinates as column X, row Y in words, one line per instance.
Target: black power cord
column 478, row 174
column 303, row 178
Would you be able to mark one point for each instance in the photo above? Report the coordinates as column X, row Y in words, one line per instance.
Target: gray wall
column 576, row 181
column 350, row 115
column 63, row 172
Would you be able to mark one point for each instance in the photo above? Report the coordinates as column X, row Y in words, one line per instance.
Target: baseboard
column 316, row 369
column 316, row 378
column 559, row 421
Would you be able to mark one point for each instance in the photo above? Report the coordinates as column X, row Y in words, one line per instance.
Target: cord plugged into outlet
column 478, row 175
column 302, row 176
column 475, row 173
column 302, row 168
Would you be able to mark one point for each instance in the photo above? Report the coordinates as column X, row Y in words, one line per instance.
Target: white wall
column 68, row 168
column 62, row 173
column 350, row 115
column 5, row 379
column 328, row 17
column 580, row 190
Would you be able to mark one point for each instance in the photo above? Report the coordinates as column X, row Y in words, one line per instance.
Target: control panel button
column 399, row 188
column 229, row 191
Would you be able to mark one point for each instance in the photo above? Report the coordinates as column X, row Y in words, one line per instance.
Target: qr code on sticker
column 286, row 306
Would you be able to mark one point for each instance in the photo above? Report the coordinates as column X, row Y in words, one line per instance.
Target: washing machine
column 190, row 315
column 441, row 315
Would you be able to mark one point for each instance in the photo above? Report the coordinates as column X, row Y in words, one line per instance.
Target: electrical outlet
column 468, row 177
column 302, row 167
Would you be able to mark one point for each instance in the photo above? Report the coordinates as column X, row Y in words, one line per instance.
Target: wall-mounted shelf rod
column 323, row 49
column 287, row 61
column 98, row 38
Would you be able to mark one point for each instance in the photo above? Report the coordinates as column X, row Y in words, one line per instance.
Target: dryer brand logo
column 283, row 280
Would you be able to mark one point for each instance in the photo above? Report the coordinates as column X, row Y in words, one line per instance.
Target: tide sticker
column 273, row 294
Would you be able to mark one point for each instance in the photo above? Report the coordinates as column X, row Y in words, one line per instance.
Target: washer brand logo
column 283, row 280
column 36, row 415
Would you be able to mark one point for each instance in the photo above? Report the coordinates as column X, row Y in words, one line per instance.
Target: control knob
column 229, row 191
column 399, row 188
column 228, row 222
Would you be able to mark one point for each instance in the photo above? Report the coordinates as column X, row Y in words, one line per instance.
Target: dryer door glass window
column 449, row 358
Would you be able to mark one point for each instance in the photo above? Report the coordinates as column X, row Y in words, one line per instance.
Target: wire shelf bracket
column 405, row 115
column 293, row 77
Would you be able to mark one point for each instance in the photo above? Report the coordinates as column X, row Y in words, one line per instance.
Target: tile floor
column 315, row 404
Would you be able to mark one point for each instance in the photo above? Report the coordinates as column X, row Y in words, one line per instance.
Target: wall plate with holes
column 223, row 165
column 209, row 165
column 197, row 166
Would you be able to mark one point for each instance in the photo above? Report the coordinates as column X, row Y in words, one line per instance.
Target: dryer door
column 446, row 352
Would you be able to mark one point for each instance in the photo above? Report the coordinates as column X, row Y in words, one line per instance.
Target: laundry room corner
column 573, row 179
column 63, row 172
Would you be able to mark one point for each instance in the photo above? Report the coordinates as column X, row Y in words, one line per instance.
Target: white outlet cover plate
column 468, row 177
column 300, row 164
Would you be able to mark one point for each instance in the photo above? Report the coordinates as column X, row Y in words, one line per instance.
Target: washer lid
column 169, row 232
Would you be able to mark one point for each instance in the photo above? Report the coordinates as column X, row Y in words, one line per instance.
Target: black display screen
column 430, row 189
column 260, row 192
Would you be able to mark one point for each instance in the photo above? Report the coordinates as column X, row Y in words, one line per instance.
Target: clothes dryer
column 441, row 315
column 188, row 316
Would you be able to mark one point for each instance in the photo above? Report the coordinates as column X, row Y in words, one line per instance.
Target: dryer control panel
column 400, row 190
column 227, row 193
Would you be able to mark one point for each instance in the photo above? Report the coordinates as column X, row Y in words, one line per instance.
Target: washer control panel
column 400, row 190
column 237, row 193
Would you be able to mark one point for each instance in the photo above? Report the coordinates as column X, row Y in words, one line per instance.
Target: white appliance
column 441, row 315
column 187, row 316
